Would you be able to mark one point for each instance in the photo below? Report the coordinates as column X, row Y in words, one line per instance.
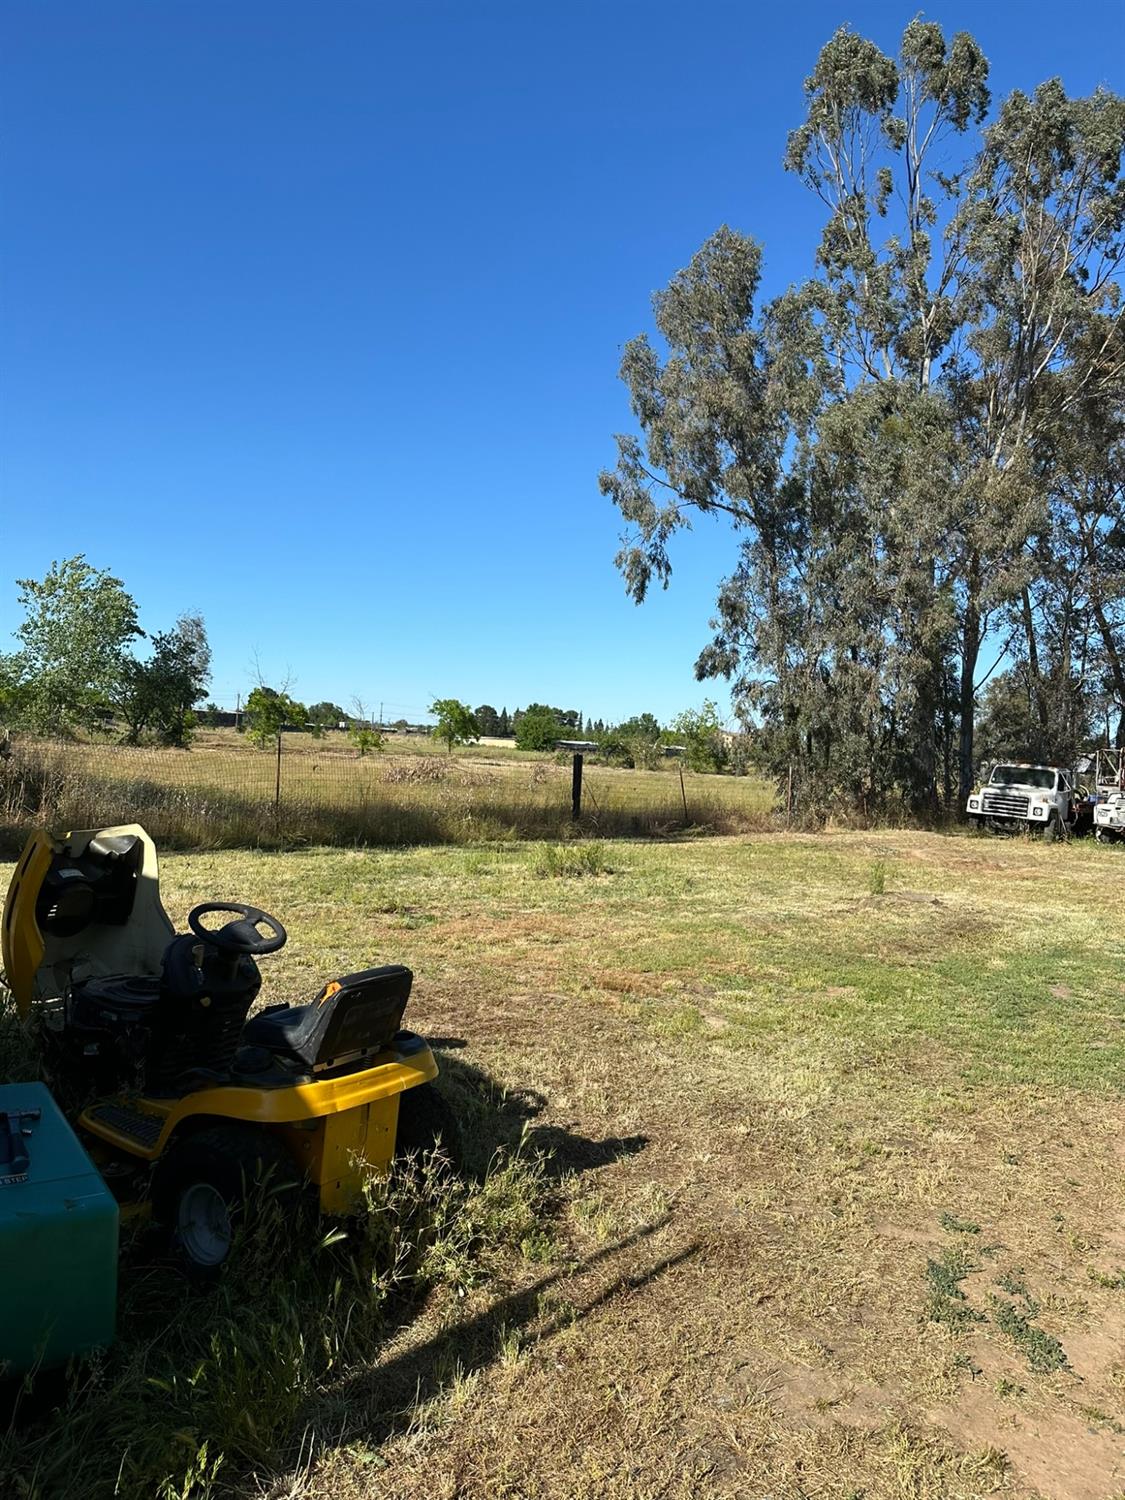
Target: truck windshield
column 1038, row 776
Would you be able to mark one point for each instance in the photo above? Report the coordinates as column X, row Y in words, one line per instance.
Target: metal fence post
column 576, row 789
column 277, row 784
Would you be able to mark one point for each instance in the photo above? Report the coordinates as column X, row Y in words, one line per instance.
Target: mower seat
column 351, row 1019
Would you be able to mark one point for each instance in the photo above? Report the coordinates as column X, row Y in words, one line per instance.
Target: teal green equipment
column 58, row 1237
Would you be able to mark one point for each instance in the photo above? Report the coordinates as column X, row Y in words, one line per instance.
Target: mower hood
column 79, row 906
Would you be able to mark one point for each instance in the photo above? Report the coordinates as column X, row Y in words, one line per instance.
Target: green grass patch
column 571, row 861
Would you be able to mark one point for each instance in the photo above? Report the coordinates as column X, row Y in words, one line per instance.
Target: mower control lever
column 241, row 936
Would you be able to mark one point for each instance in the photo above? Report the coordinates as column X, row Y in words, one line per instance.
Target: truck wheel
column 1051, row 832
column 426, row 1124
column 208, row 1183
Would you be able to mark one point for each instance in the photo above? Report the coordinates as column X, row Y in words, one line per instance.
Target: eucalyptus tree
column 874, row 435
column 1043, row 354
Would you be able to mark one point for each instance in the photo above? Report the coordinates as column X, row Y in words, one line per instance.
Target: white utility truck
column 1109, row 810
column 1015, row 796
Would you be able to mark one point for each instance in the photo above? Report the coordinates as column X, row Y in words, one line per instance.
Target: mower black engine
column 160, row 1035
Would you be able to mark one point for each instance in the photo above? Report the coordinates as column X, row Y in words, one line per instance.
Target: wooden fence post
column 789, row 798
column 576, row 788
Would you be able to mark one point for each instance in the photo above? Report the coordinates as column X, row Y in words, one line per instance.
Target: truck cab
column 1018, row 794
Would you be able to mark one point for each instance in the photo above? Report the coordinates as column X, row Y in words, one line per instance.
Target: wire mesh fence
column 226, row 792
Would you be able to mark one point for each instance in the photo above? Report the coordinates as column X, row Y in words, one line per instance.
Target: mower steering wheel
column 241, row 936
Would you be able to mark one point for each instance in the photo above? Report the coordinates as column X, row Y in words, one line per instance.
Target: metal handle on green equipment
column 14, row 1155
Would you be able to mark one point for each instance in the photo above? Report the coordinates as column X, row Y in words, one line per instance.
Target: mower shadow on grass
column 401, row 1394
column 493, row 1118
column 290, row 1341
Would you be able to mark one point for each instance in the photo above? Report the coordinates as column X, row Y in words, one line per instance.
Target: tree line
column 80, row 668
column 920, row 449
column 639, row 742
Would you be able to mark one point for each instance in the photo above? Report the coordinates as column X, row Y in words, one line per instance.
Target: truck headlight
column 1038, row 811
column 974, row 804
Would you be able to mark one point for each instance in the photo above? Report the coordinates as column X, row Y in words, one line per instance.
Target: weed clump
column 946, row 1302
column 956, row 1225
column 571, row 861
column 1044, row 1352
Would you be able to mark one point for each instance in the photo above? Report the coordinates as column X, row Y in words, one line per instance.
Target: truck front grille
column 1004, row 804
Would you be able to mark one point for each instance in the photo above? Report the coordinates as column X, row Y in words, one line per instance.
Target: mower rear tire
column 427, row 1127
column 208, row 1182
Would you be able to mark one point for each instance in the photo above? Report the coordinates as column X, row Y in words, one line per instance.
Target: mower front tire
column 427, row 1127
column 207, row 1186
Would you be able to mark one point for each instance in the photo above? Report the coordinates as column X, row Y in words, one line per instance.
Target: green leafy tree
column 1008, row 728
column 78, row 623
column 641, row 726
column 539, row 728
column 456, row 722
column 635, row 743
column 640, row 736
column 268, row 712
column 326, row 715
column 158, row 696
column 12, row 691
column 700, row 731
column 505, row 727
column 489, row 720
column 211, row 714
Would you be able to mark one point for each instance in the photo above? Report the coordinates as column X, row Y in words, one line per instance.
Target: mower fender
column 331, row 1127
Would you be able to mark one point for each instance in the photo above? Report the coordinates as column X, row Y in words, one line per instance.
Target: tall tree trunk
column 970, row 649
column 1039, row 698
column 946, row 746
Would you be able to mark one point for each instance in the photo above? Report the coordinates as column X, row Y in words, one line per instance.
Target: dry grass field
column 224, row 792
column 807, row 1180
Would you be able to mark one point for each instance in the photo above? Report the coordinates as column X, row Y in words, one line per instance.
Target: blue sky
column 311, row 313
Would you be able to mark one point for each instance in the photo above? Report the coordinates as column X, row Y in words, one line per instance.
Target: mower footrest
column 140, row 1127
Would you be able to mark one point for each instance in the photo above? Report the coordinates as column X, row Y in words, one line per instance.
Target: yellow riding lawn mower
column 186, row 1103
